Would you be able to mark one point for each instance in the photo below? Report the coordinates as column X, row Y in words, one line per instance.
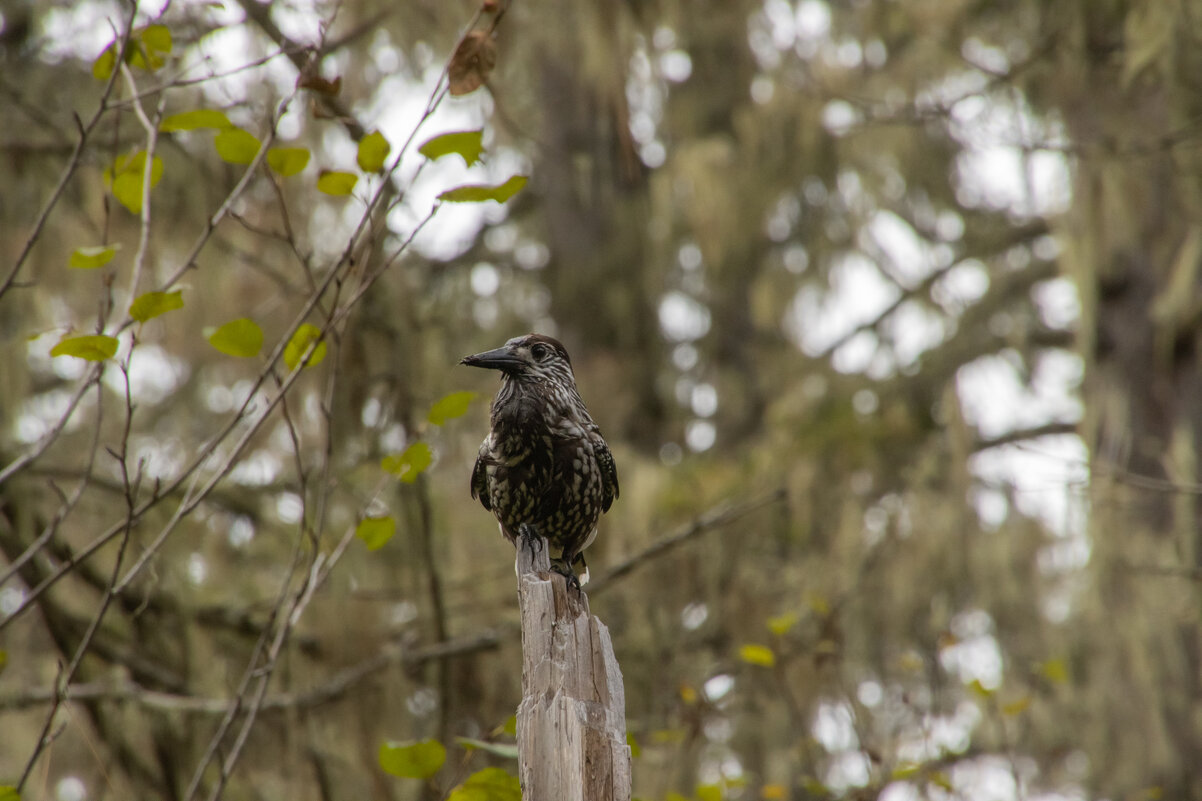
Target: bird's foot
column 530, row 538
column 564, row 569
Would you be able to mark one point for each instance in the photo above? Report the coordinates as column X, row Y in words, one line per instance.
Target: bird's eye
column 540, row 352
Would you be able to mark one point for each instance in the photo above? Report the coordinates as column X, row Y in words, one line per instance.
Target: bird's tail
column 581, row 568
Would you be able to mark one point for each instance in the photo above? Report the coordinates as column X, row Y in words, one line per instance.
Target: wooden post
column 572, row 719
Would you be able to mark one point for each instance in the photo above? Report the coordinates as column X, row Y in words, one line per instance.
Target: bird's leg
column 530, row 538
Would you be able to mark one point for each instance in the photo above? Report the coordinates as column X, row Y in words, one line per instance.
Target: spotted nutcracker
column 544, row 468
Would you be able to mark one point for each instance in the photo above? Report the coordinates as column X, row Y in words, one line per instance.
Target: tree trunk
column 571, row 725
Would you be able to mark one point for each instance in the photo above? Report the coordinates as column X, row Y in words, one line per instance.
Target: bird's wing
column 609, row 471
column 480, row 477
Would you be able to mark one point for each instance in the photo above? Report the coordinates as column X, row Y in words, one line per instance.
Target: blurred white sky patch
column 1047, row 474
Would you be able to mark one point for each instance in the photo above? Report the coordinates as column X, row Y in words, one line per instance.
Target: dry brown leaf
column 321, row 85
column 473, row 60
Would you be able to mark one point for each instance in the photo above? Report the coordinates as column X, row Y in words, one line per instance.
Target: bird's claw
column 564, row 569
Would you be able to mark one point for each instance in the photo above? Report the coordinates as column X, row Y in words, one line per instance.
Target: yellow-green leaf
column 757, row 655
column 1055, row 671
column 772, row 792
column 818, row 603
column 105, row 63
column 636, row 750
column 336, row 183
column 449, row 407
column 305, row 335
column 479, row 193
column 490, row 784
column 287, row 161
column 709, row 792
column 468, row 144
column 237, row 146
column 941, row 780
column 510, row 726
column 980, row 690
column 373, row 149
column 1016, row 707
column 815, row 787
column 409, row 464
column 93, row 347
column 152, row 304
column 90, row 258
column 781, row 624
column 503, row 750
column 3, row 661
column 148, row 47
column 157, row 37
column 906, row 770
column 419, row 760
column 195, row 119
column 669, row 736
column 241, row 337
column 375, row 531
column 124, row 177
column 9, row 793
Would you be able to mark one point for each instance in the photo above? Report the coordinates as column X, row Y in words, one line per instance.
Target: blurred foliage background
column 889, row 311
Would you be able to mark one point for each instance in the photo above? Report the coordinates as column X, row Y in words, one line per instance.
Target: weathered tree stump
column 572, row 719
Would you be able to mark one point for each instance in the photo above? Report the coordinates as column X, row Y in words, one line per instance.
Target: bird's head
column 528, row 358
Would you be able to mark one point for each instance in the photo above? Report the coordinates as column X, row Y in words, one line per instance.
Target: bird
column 544, row 469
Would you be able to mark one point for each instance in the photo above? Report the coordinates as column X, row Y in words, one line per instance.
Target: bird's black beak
column 499, row 359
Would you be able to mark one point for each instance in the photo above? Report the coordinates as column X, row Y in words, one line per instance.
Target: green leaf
column 636, row 750
column 375, row 531
column 504, row 750
column 709, row 792
column 906, row 770
column 124, row 178
column 237, row 146
column 9, row 793
column 152, row 304
column 336, row 183
column 468, row 144
column 305, row 335
column 511, row 725
column 757, row 655
column 490, row 784
column 449, row 407
column 241, row 337
column 477, row 193
column 373, row 149
column 90, row 258
column 197, row 118
column 288, row 161
column 93, row 347
column 105, row 63
column 3, row 665
column 419, row 760
column 409, row 464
